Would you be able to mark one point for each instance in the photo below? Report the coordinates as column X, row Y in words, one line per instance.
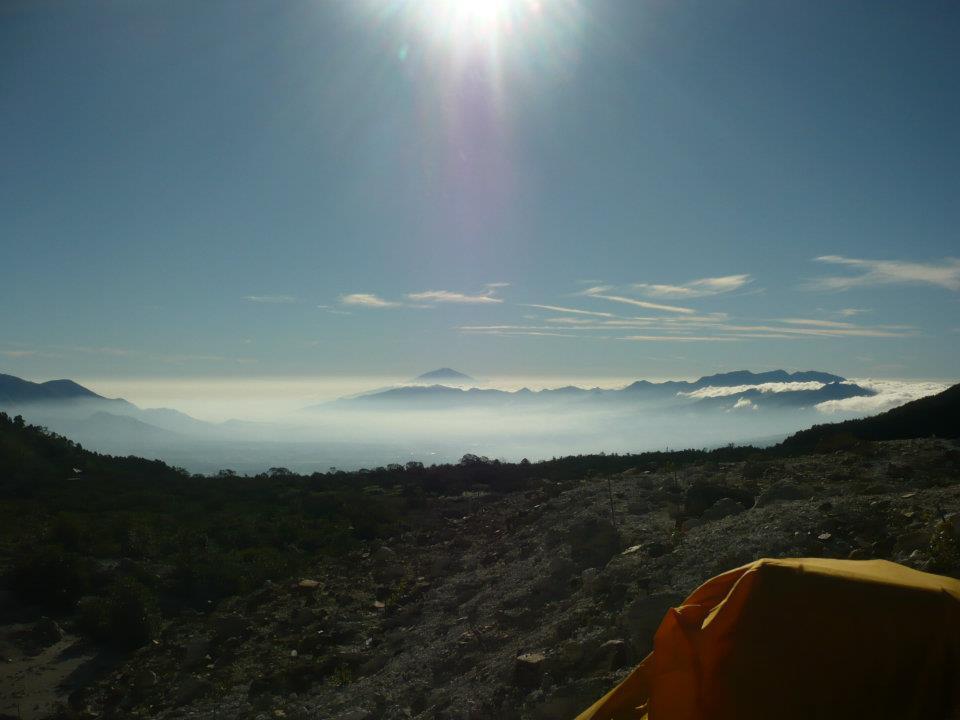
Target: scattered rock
column 528, row 670
column 513, row 570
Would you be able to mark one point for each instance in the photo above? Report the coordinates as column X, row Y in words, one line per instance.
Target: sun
column 475, row 21
column 473, row 17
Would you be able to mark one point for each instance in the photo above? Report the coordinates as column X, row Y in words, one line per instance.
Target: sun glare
column 472, row 17
column 465, row 22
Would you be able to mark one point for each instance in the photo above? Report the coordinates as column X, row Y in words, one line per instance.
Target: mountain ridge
column 832, row 387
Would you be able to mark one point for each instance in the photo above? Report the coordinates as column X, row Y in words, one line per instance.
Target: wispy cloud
column 695, row 288
column 367, row 300
column 576, row 311
column 853, row 331
column 101, row 350
column 446, row 296
column 679, row 338
column 271, row 299
column 816, row 323
column 711, row 327
column 945, row 274
column 601, row 292
column 513, row 330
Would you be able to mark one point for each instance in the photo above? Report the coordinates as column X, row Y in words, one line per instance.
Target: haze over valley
column 441, row 415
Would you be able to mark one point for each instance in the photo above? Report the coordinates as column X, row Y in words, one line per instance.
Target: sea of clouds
column 715, row 392
column 889, row 394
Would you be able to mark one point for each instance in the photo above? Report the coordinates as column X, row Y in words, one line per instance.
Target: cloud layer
column 890, row 394
column 715, row 392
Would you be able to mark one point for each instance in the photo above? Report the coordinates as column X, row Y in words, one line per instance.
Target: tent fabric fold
column 802, row 638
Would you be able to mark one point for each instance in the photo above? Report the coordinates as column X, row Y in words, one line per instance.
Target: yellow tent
column 802, row 638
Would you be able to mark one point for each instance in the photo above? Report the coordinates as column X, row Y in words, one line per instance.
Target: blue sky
column 230, row 189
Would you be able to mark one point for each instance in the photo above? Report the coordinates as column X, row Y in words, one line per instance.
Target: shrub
column 51, row 577
column 125, row 616
column 67, row 531
column 945, row 549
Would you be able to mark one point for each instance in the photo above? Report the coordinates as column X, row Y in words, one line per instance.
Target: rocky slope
column 529, row 604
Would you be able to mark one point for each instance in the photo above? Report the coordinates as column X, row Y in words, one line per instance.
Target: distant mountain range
column 742, row 388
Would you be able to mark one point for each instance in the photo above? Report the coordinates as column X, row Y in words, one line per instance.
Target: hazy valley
column 439, row 416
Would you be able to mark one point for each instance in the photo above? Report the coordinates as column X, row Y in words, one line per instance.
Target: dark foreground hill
column 934, row 416
column 480, row 589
